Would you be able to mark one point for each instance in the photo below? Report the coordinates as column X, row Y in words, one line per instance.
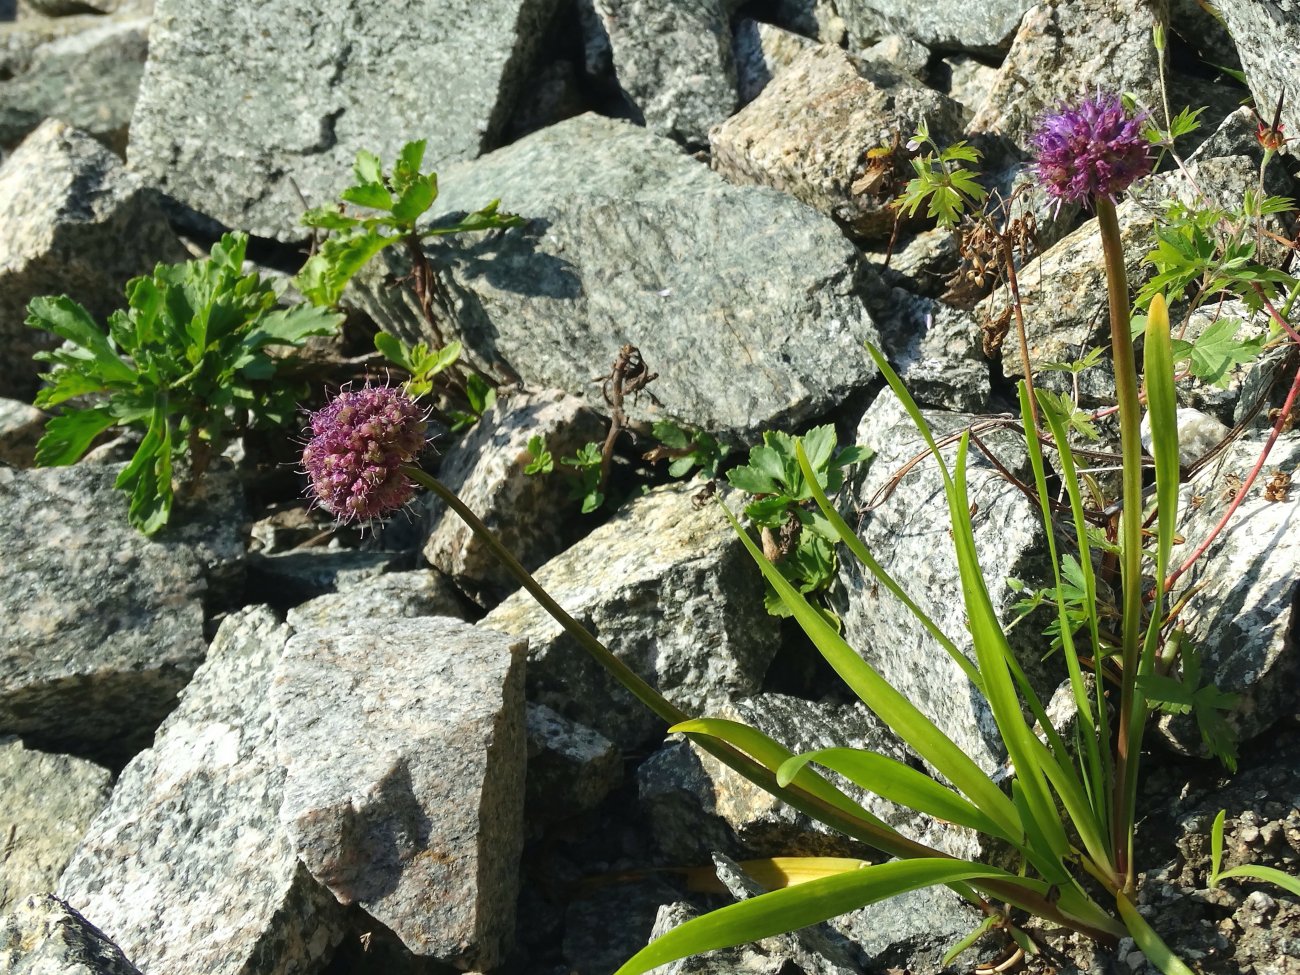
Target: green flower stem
column 1099, row 926
column 1130, row 419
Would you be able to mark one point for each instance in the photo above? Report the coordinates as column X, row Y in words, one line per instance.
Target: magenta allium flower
column 360, row 440
column 1093, row 150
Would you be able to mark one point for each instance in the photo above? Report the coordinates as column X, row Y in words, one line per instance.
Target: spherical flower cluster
column 1093, row 150
column 360, row 440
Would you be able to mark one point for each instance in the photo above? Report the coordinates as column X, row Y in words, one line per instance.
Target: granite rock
column 744, row 301
column 1244, row 598
column 403, row 742
column 188, row 869
column 669, row 590
column 87, row 79
column 808, row 131
column 985, row 26
column 571, row 768
column 532, row 515
column 762, row 51
column 51, row 800
column 1064, row 49
column 100, row 626
column 21, row 426
column 44, row 936
column 295, row 113
column 76, row 223
column 1267, row 37
column 673, row 61
column 393, row 595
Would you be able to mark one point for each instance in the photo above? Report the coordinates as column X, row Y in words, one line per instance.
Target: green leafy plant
column 686, row 450
column 188, row 362
column 542, row 462
column 943, row 186
column 1253, row 871
column 399, row 198
column 480, row 396
column 419, row 360
column 796, row 537
column 586, row 464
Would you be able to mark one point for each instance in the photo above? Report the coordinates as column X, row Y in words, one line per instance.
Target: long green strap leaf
column 895, row 781
column 860, row 551
column 797, row 907
column 772, row 755
column 888, row 704
column 1157, row 952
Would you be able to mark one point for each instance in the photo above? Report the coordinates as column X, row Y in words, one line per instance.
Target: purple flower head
column 1093, row 150
column 360, row 440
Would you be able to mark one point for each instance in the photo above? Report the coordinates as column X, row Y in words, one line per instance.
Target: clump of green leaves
column 1189, row 694
column 399, row 200
column 796, row 537
column 686, row 450
column 188, row 362
column 422, row 362
column 584, row 465
column 944, row 186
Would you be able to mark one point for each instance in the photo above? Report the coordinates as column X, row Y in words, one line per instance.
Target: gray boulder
column 673, row 61
column 533, row 515
column 808, row 131
column 743, row 300
column 191, row 842
column 1267, row 36
column 403, row 742
column 670, row 590
column 393, row 595
column 909, row 534
column 51, row 800
column 984, row 27
column 338, row 78
column 44, row 936
column 99, row 625
column 87, row 79
column 76, row 223
column 1066, row 49
column 936, row 349
column 21, row 427
column 1243, row 592
column 761, row 52
column 571, row 768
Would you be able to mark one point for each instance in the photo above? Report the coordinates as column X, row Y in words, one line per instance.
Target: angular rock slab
column 393, row 595
column 570, row 767
column 44, row 936
column 50, row 800
column 99, row 625
column 188, row 870
column 403, row 742
column 88, row 79
column 1066, row 49
column 909, row 535
column 743, row 300
column 21, row 427
column 314, row 85
column 1267, row 36
column 76, row 223
column 1245, row 597
column 807, row 134
column 669, row 590
column 673, row 61
column 532, row 515
column 984, row 26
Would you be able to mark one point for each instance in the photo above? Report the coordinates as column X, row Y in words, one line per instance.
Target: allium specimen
column 1090, row 151
column 360, row 440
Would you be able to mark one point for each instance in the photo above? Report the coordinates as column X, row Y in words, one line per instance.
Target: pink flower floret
column 1093, row 150
column 360, row 440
